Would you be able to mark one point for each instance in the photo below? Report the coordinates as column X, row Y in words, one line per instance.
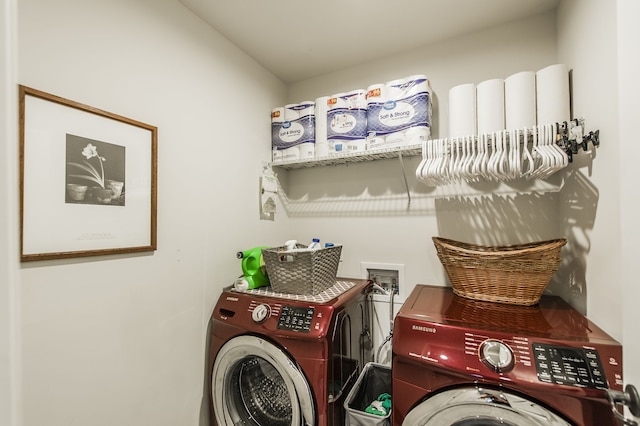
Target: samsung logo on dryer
column 423, row 328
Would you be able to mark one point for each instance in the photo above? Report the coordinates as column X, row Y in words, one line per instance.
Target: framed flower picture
column 88, row 180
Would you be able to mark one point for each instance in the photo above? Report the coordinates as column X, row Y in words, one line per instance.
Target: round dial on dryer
column 261, row 313
column 496, row 355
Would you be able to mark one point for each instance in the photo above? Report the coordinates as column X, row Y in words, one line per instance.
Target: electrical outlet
column 386, row 275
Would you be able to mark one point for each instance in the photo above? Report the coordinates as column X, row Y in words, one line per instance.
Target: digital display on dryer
column 296, row 319
column 569, row 366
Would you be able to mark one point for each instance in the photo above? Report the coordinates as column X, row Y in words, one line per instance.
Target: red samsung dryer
column 464, row 362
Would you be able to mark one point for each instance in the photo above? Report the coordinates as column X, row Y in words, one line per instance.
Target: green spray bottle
column 253, row 269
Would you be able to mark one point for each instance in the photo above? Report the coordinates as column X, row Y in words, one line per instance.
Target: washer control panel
column 569, row 366
column 296, row 318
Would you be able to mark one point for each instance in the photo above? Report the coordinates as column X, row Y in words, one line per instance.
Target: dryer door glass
column 476, row 406
column 255, row 383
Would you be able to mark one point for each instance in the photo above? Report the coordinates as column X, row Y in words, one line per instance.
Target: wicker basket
column 305, row 272
column 515, row 274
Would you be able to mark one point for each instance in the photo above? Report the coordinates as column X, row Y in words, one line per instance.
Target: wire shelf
column 356, row 157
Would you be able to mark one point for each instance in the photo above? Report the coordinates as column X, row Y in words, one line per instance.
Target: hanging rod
column 570, row 136
column 532, row 152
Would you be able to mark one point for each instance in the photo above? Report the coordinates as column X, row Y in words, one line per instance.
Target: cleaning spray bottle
column 254, row 272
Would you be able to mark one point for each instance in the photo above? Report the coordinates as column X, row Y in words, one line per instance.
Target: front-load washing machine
column 463, row 362
column 281, row 359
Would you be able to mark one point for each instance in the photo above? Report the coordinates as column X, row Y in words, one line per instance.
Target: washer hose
column 390, row 336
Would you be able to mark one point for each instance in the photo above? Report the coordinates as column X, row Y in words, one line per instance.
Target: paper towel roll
column 462, row 110
column 490, row 106
column 520, row 100
column 552, row 94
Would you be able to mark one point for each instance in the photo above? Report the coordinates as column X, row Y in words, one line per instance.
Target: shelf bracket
column 404, row 176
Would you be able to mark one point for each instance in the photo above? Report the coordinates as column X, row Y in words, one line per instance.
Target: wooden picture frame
column 88, row 180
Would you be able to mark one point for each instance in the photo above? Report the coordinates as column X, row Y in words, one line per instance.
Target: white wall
column 628, row 95
column 605, row 93
column 122, row 339
column 592, row 59
column 9, row 278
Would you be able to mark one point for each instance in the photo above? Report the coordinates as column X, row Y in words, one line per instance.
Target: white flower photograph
column 95, row 172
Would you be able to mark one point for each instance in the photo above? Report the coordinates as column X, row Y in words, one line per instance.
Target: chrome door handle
column 497, row 398
column 628, row 398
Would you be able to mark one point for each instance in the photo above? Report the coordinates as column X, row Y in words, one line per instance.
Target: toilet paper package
column 277, row 118
column 293, row 136
column 394, row 109
column 376, row 95
column 347, row 122
column 322, row 144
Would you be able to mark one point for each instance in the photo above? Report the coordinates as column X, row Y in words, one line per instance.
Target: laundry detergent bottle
column 254, row 272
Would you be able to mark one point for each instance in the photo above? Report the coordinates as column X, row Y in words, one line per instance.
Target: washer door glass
column 255, row 383
column 261, row 396
column 476, row 406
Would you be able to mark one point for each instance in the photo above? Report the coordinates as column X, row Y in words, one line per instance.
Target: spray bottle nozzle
column 291, row 244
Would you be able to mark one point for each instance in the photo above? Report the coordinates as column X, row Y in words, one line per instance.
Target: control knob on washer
column 496, row 355
column 261, row 313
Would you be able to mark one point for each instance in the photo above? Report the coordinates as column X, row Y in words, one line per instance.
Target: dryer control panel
column 569, row 366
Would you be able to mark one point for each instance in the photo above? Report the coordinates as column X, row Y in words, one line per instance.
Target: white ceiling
column 300, row 39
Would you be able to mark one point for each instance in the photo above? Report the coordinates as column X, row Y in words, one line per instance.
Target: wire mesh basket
column 303, row 272
column 514, row 274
